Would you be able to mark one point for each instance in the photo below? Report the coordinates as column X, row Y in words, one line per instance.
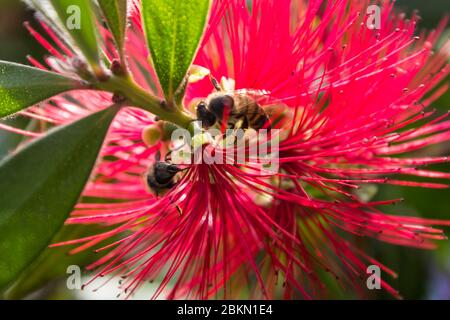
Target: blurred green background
column 423, row 274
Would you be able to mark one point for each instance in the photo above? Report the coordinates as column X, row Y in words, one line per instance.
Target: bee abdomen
column 260, row 122
column 247, row 107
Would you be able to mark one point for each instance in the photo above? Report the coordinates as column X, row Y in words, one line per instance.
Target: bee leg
column 244, row 123
column 239, row 123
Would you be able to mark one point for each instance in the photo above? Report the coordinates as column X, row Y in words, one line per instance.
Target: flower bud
column 151, row 134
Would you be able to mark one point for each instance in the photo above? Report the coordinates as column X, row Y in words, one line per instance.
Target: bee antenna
column 158, row 156
column 215, row 83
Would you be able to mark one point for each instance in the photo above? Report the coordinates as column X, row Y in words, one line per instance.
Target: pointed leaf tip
column 78, row 18
column 115, row 12
column 174, row 30
column 23, row 86
column 40, row 185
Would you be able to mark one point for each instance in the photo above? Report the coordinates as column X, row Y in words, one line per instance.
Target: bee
column 162, row 176
column 239, row 109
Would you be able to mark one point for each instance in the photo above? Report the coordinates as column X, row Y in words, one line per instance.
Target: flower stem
column 138, row 97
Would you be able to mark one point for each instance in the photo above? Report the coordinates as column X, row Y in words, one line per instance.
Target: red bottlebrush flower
column 348, row 101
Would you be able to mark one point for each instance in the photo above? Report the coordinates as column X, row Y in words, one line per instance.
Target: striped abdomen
column 247, row 110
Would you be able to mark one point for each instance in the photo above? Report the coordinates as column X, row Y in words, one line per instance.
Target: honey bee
column 162, row 176
column 239, row 109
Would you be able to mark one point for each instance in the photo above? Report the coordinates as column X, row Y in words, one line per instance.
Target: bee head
column 164, row 172
column 220, row 104
column 207, row 118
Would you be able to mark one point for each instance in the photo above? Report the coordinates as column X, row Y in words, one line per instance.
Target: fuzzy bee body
column 161, row 177
column 249, row 111
column 238, row 109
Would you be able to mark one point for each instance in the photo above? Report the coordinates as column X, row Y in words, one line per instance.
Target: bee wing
column 227, row 84
column 255, row 93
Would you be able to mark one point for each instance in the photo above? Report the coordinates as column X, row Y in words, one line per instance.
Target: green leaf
column 174, row 29
column 78, row 18
column 115, row 12
column 40, row 185
column 9, row 140
column 22, row 86
column 52, row 263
